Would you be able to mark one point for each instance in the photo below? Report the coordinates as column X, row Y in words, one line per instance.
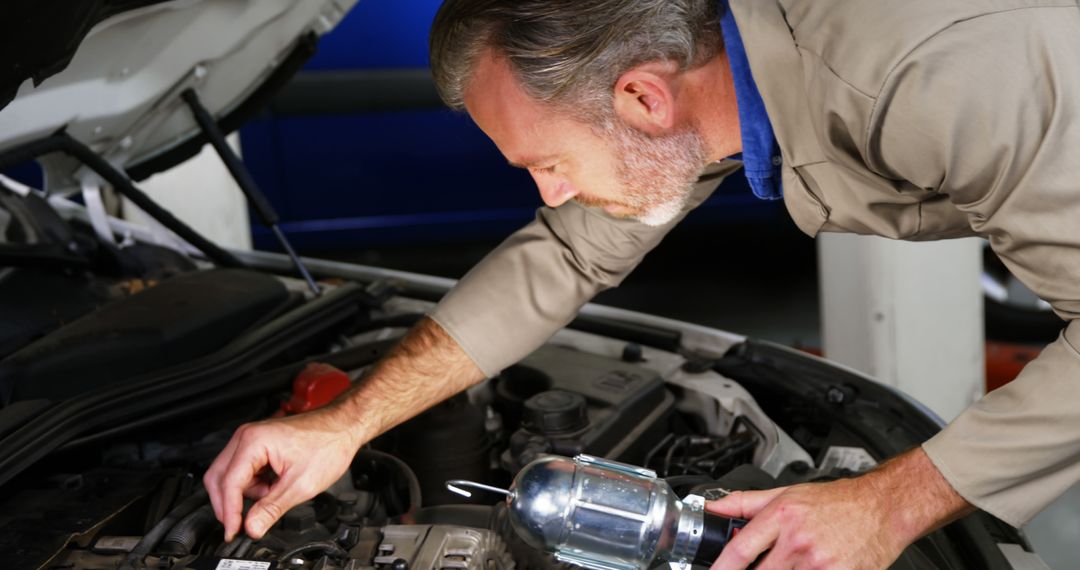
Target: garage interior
column 911, row 316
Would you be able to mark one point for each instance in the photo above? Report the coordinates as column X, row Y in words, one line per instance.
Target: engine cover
column 582, row 403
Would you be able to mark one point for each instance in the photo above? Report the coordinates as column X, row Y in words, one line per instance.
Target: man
column 912, row 120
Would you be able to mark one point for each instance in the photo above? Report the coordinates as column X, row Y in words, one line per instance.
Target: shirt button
column 777, row 160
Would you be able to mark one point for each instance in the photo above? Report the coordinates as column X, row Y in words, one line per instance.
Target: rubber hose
column 151, row 539
column 410, row 477
column 183, row 537
column 326, row 547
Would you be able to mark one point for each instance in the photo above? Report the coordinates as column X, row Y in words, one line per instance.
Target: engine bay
column 119, row 388
column 142, row 506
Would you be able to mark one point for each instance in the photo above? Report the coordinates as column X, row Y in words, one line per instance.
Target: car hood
column 110, row 72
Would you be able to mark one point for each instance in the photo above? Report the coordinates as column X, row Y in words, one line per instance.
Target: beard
column 656, row 174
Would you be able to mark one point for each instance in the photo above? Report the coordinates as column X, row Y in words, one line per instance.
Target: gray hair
column 570, row 53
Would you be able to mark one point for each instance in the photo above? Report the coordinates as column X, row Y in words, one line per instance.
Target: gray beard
column 658, row 174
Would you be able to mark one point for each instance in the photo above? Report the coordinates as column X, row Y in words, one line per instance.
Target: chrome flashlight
column 605, row 515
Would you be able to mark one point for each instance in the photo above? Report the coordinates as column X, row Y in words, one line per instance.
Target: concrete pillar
column 203, row 194
column 908, row 314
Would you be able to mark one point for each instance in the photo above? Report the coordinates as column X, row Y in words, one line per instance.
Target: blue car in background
column 358, row 151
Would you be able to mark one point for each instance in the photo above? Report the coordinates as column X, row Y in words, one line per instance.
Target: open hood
column 111, row 75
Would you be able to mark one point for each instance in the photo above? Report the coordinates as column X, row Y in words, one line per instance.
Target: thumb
column 743, row 504
column 266, row 511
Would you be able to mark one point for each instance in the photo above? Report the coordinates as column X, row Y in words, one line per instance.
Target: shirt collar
column 761, row 153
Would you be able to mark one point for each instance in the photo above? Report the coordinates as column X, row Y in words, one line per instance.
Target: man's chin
column 661, row 214
column 654, row 216
column 620, row 211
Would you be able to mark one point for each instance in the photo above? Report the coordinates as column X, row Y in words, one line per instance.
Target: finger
column 778, row 557
column 743, row 504
column 257, row 491
column 242, row 473
column 261, row 485
column 754, row 539
column 212, row 477
column 284, row 494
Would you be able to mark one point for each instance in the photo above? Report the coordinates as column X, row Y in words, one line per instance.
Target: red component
column 316, row 385
column 1005, row 360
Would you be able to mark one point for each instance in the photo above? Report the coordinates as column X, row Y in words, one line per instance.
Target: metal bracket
column 695, row 502
column 95, row 208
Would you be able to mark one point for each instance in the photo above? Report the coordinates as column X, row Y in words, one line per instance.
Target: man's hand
column 865, row 522
column 280, row 463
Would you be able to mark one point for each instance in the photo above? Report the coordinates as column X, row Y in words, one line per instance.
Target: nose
column 554, row 190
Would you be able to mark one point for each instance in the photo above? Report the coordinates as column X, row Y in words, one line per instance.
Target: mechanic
column 912, row 120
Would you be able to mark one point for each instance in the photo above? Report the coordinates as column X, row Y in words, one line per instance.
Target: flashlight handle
column 717, row 533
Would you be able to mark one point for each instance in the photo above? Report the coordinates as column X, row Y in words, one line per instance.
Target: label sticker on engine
column 854, row 459
column 114, row 544
column 230, row 564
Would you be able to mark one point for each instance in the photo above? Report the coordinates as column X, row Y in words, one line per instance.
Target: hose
column 406, row 471
column 183, row 537
column 325, row 546
column 236, row 548
column 135, row 558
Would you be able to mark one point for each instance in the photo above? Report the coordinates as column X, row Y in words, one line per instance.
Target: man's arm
column 986, row 113
column 878, row 514
column 983, row 113
column 535, row 282
column 308, row 452
column 517, row 297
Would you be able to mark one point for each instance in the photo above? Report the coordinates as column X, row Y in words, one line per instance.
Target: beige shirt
column 914, row 120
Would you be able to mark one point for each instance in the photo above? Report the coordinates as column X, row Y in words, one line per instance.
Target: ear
column 645, row 98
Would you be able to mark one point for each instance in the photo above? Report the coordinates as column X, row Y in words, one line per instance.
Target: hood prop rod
column 263, row 209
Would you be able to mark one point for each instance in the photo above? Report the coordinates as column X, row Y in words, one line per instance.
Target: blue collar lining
column 761, row 153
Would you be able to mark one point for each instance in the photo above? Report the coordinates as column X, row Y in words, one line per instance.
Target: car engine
column 141, row 504
column 123, row 373
column 144, row 507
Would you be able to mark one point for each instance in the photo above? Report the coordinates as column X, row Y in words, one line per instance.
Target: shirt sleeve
column 535, row 282
column 988, row 112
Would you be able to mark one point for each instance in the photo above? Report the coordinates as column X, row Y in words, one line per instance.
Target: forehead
column 521, row 126
column 492, row 78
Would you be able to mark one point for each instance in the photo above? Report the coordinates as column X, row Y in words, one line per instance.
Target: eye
column 545, row 170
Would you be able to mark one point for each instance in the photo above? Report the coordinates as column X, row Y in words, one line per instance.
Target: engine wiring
column 707, row 455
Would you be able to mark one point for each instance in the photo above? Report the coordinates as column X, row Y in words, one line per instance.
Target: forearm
column 861, row 522
column 1016, row 450
column 425, row 368
column 535, row 282
column 915, row 496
